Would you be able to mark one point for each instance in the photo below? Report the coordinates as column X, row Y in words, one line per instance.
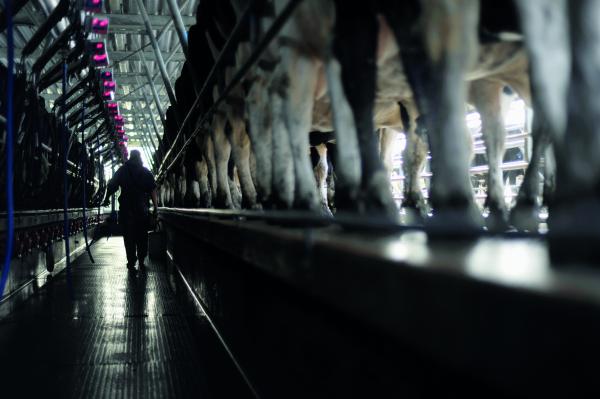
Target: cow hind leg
column 549, row 176
column 259, row 121
column 204, row 200
column 252, row 163
column 525, row 214
column 234, row 185
column 436, row 70
column 413, row 162
column 240, row 144
column 282, row 163
column 321, row 169
column 347, row 154
column 354, row 48
column 302, row 73
column 182, row 190
column 486, row 96
column 222, row 150
column 386, row 144
column 193, row 194
column 547, row 40
column 331, row 176
column 211, row 166
column 575, row 210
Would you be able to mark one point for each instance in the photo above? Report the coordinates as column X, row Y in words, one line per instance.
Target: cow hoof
column 378, row 198
column 455, row 222
column 223, row 202
column 416, row 211
column 413, row 216
column 325, row 211
column 307, row 204
column 525, row 217
column 251, row 205
column 346, row 199
column 497, row 221
column 223, row 205
column 279, row 203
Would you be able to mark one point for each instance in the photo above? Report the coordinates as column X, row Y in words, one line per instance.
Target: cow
column 226, row 131
column 561, row 40
column 307, row 70
column 302, row 46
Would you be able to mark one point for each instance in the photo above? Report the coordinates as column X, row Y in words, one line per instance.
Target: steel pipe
column 154, row 94
column 157, row 53
column 149, row 136
column 162, row 116
column 144, row 147
column 146, row 130
column 179, row 26
column 182, row 34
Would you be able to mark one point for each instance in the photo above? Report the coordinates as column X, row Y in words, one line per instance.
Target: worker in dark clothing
column 137, row 185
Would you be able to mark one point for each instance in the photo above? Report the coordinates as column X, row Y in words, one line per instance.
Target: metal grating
column 120, row 334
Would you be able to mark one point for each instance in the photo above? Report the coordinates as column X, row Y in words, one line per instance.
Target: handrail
column 277, row 25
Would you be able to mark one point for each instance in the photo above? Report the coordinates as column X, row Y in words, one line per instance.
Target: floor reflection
column 120, row 334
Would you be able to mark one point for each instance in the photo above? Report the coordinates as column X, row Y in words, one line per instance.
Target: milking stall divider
column 293, row 295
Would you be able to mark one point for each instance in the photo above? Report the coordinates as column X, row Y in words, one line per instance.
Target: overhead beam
column 124, row 23
column 136, row 19
column 113, row 56
column 166, row 27
column 149, row 54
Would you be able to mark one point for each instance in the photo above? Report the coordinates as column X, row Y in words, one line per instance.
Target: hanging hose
column 9, row 147
column 113, row 217
column 112, row 171
column 65, row 183
column 83, row 180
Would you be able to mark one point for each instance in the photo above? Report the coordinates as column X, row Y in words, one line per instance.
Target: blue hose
column 83, row 180
column 10, row 209
column 65, row 183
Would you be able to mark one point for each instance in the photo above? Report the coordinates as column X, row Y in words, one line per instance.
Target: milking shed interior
column 356, row 199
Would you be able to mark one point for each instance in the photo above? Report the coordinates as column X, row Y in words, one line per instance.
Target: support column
column 182, row 34
column 154, row 125
column 146, row 131
column 179, row 27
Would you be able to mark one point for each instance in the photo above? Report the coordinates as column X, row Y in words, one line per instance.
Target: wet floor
column 105, row 332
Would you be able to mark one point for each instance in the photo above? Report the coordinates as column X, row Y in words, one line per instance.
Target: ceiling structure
column 127, row 35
